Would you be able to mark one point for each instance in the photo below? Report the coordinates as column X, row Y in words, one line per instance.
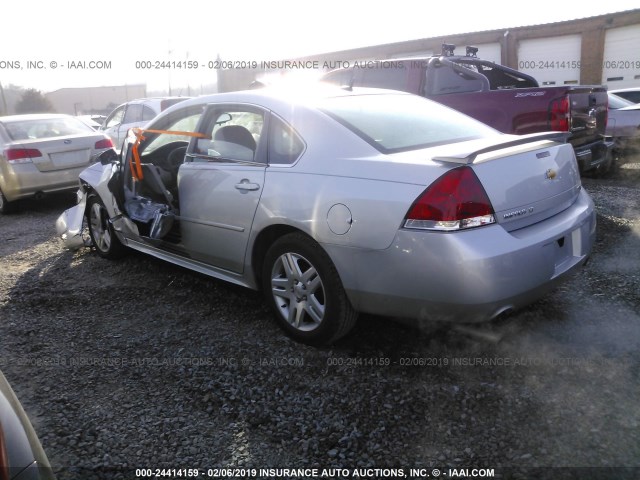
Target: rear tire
column 302, row 286
column 101, row 231
column 5, row 205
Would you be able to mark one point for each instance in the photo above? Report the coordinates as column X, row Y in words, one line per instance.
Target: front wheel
column 101, row 231
column 303, row 288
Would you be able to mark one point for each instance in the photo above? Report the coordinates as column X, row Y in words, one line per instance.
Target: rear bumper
column 468, row 276
column 25, row 180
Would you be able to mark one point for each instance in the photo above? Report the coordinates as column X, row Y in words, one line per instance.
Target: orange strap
column 136, row 170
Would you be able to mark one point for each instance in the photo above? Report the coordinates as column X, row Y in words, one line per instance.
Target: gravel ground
column 140, row 364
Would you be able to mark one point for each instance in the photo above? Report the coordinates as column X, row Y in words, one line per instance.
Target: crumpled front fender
column 70, row 225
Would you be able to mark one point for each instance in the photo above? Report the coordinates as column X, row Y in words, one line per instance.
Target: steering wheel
column 176, row 157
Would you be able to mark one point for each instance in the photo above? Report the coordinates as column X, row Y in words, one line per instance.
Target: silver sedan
column 336, row 202
column 623, row 123
column 44, row 153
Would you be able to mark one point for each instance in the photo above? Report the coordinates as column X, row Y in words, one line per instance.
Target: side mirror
column 108, row 157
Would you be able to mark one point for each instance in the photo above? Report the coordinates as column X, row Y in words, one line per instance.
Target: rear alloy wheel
column 5, row 205
column 101, row 231
column 303, row 287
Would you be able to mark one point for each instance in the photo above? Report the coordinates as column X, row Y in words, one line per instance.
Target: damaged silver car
column 336, row 202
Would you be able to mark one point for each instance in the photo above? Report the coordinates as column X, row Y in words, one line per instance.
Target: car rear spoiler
column 467, row 157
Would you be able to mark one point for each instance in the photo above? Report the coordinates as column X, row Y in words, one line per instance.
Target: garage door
column 621, row 64
column 487, row 51
column 551, row 61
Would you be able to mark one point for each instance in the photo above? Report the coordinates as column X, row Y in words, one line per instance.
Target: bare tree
column 33, row 101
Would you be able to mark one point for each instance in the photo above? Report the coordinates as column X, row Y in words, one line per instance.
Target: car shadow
column 16, row 228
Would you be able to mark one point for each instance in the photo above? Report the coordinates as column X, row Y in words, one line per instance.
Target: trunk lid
column 62, row 153
column 527, row 179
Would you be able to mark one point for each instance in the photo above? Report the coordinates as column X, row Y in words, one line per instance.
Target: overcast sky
column 122, row 32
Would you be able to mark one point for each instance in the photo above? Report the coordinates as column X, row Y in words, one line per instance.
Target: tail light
column 21, row 155
column 560, row 114
column 104, row 143
column 455, row 201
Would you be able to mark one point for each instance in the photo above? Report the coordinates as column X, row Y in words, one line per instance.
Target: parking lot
column 140, row 364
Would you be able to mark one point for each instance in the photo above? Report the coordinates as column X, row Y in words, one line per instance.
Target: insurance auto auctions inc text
column 344, row 473
column 331, row 65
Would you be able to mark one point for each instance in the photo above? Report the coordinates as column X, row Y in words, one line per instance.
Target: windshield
column 397, row 122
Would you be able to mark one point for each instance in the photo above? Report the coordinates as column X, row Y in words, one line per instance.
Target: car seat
column 236, row 134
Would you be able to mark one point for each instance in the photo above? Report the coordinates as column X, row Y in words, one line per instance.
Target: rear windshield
column 45, row 128
column 617, row 102
column 394, row 123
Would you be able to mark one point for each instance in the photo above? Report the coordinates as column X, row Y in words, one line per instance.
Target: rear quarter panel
column 367, row 213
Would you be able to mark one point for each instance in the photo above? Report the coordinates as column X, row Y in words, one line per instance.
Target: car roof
column 155, row 101
column 282, row 95
column 631, row 89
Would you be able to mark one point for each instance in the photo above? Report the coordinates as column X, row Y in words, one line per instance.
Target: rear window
column 391, row 78
column 45, row 128
column 617, row 102
column 632, row 96
column 395, row 123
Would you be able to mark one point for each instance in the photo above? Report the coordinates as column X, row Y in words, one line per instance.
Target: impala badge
column 550, row 174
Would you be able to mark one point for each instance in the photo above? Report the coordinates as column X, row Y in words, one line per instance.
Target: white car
column 631, row 94
column 623, row 123
column 44, row 153
column 134, row 114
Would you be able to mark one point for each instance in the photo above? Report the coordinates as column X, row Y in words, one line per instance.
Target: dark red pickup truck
column 506, row 99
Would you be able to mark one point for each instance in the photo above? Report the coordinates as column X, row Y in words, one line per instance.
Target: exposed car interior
column 150, row 184
column 151, row 191
column 234, row 135
column 146, row 186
